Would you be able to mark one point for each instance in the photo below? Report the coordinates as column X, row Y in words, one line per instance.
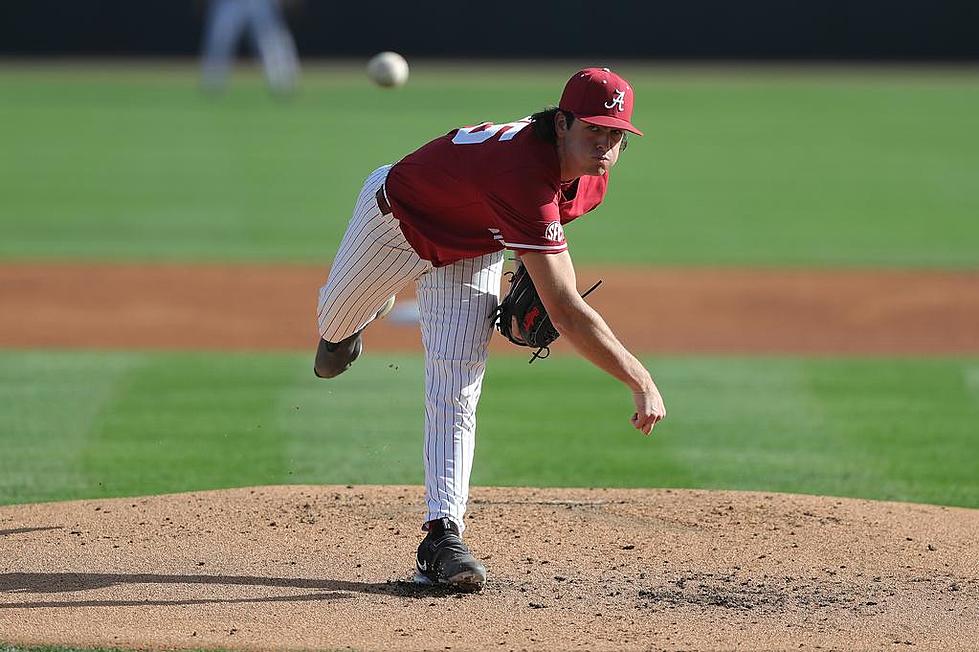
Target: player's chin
column 599, row 168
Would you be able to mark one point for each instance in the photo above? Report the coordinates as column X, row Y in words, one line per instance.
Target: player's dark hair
column 543, row 123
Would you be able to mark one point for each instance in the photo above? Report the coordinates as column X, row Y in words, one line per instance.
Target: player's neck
column 567, row 173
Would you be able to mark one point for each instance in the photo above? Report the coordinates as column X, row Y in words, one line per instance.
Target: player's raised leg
column 373, row 264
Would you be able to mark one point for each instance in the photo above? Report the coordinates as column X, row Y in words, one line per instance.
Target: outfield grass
column 740, row 167
column 99, row 424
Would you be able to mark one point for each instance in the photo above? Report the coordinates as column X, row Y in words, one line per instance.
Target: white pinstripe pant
column 454, row 302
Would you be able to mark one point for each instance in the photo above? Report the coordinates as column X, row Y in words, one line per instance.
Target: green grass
column 114, row 424
column 786, row 166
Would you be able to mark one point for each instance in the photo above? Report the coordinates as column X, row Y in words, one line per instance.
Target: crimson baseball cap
column 599, row 97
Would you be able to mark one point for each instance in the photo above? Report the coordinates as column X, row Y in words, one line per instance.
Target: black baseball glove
column 522, row 318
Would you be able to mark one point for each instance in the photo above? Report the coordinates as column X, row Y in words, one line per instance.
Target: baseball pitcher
column 442, row 217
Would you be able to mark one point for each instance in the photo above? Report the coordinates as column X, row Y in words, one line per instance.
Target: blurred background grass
column 760, row 166
column 746, row 166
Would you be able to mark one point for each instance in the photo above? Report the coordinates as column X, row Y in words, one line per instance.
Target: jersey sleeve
column 527, row 212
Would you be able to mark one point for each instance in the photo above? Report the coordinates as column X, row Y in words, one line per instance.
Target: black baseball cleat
column 443, row 559
column 333, row 358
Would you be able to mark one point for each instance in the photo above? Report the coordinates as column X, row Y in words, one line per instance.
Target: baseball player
column 227, row 20
column 442, row 218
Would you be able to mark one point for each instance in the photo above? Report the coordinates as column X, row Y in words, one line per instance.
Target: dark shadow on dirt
column 169, row 603
column 75, row 582
column 22, row 530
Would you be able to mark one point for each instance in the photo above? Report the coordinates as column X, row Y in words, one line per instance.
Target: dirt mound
column 319, row 567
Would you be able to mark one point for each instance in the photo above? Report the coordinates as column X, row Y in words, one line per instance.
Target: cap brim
column 609, row 121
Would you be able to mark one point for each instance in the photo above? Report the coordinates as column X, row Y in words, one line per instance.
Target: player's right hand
column 650, row 409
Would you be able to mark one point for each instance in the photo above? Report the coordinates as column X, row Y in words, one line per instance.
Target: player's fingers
column 644, row 425
column 652, row 423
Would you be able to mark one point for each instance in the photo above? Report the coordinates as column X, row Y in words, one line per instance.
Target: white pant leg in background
column 455, row 303
column 227, row 21
column 374, row 261
column 274, row 44
column 223, row 27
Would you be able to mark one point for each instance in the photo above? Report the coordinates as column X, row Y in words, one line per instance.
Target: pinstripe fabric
column 454, row 303
column 374, row 262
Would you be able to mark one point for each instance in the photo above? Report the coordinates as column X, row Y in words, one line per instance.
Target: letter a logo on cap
column 618, row 100
column 589, row 96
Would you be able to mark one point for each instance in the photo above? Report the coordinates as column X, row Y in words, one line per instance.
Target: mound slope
column 323, row 567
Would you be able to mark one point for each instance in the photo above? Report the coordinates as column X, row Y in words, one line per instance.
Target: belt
column 382, row 202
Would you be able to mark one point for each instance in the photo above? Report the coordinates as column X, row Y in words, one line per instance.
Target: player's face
column 586, row 149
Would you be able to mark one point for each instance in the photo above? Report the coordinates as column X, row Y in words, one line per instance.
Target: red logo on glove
column 530, row 317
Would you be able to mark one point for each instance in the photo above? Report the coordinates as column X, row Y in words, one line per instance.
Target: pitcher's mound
column 325, row 568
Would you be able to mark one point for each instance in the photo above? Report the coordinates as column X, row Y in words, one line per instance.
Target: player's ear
column 560, row 122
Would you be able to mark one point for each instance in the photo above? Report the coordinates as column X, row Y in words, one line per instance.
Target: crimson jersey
column 481, row 189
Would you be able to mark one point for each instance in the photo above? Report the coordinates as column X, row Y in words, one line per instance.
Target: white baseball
column 388, row 69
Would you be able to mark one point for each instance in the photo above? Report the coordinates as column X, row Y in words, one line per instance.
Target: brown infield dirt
column 660, row 310
column 326, row 568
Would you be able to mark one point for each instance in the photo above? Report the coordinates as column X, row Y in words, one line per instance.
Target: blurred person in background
column 225, row 23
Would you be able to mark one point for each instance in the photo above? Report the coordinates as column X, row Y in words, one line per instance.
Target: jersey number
column 483, row 132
